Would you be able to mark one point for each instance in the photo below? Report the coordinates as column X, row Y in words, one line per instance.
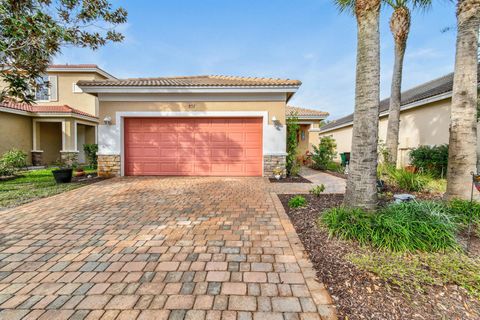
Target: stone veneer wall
column 271, row 162
column 108, row 166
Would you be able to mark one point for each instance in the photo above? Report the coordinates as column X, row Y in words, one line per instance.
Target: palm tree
column 400, row 28
column 361, row 184
column 462, row 155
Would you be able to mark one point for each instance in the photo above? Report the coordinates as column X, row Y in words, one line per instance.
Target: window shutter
column 53, row 88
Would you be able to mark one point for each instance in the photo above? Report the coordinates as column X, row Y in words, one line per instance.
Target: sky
column 308, row 40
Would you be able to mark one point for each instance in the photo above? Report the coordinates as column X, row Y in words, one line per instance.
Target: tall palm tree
column 400, row 28
column 361, row 184
column 462, row 155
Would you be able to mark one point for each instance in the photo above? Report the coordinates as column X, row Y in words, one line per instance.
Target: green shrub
column 424, row 226
column 292, row 165
column 431, row 159
column 324, row 153
column 6, row 171
column 91, row 153
column 317, row 190
column 11, row 161
column 297, row 202
column 335, row 167
column 403, row 179
column 14, row 158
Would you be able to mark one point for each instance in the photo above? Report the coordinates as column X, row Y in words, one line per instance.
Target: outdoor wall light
column 274, row 119
column 107, row 120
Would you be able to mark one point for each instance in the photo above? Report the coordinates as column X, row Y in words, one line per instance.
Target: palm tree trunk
column 393, row 129
column 462, row 155
column 400, row 27
column 361, row 185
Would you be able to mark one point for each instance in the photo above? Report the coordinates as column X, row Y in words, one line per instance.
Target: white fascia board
column 135, row 89
column 64, row 115
column 193, row 97
column 409, row 106
column 83, row 70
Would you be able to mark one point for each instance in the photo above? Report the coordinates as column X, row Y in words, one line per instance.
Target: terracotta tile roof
column 43, row 109
column 426, row 90
column 194, row 81
column 72, row 66
column 305, row 112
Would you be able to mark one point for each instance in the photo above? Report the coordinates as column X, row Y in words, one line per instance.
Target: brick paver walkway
column 157, row 248
column 332, row 184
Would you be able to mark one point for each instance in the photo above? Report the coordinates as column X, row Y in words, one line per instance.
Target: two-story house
column 61, row 120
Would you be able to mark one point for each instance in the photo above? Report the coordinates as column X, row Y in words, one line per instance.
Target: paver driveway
column 157, row 248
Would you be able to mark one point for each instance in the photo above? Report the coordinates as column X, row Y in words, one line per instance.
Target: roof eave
column 183, row 89
column 83, row 70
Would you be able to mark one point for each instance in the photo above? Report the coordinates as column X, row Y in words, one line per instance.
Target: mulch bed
column 293, row 179
column 359, row 294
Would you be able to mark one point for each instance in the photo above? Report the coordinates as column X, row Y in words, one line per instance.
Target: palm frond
column 422, row 5
column 345, row 5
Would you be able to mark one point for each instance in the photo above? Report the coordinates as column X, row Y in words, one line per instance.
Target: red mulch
column 359, row 294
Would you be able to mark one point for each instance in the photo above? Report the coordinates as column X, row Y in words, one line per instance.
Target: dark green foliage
column 292, row 165
column 297, row 202
column 324, row 153
column 33, row 31
column 424, row 226
column 431, row 160
column 91, row 153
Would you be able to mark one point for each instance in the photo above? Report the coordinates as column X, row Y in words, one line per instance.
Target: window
column 42, row 92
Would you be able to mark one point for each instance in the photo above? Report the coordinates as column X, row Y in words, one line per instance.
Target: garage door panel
column 193, row 146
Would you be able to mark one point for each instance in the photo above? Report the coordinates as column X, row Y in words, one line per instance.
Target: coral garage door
column 193, row 146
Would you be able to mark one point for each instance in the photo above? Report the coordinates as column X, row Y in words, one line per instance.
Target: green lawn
column 32, row 185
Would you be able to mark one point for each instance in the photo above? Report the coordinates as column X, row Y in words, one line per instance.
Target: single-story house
column 198, row 125
column 424, row 119
column 60, row 122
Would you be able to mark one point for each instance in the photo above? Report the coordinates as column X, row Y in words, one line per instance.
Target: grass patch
column 31, row 185
column 424, row 226
column 413, row 272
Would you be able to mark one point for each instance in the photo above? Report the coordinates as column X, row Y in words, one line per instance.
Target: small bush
column 91, row 153
column 324, row 153
column 335, row 167
column 292, row 144
column 11, row 161
column 403, row 179
column 431, row 159
column 297, row 202
column 424, row 226
column 14, row 158
column 317, row 190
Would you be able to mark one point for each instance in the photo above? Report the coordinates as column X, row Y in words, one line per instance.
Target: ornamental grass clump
column 423, row 226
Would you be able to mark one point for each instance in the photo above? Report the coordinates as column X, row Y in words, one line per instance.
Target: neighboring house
column 62, row 119
column 424, row 119
column 310, row 121
column 203, row 125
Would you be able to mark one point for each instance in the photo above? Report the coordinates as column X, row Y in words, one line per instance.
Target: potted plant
column 277, row 172
column 65, row 169
column 79, row 172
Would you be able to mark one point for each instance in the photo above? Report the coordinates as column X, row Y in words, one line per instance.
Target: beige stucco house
column 203, row 125
column 62, row 119
column 424, row 119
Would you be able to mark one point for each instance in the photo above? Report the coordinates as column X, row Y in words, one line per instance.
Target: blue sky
column 304, row 39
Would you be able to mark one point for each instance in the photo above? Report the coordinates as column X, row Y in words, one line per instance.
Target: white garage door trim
column 273, row 137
